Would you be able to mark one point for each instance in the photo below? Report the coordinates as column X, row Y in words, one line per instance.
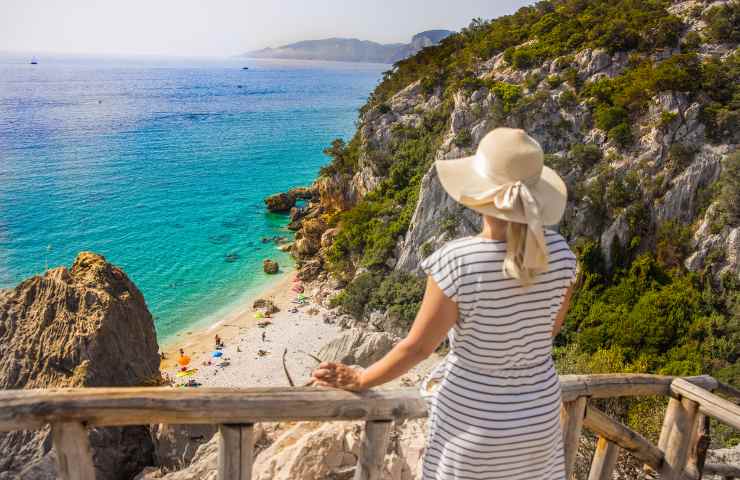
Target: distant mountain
column 352, row 49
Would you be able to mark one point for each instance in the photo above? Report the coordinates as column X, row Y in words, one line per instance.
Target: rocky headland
column 84, row 326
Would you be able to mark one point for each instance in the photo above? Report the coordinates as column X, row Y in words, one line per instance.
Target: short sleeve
column 572, row 269
column 443, row 270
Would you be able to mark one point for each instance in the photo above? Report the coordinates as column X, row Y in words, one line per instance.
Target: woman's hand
column 337, row 375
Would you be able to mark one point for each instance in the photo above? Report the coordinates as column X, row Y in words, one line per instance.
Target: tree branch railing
column 678, row 455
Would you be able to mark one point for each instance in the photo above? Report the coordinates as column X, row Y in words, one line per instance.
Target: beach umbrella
column 184, row 360
column 217, row 354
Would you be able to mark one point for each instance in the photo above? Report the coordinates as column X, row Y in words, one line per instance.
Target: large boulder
column 357, row 347
column 267, row 306
column 87, row 326
column 270, row 266
column 280, row 202
column 303, row 193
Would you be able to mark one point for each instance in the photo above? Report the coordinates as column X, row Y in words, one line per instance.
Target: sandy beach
column 252, row 355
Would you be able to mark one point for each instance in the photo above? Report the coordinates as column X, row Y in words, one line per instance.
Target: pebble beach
column 253, row 347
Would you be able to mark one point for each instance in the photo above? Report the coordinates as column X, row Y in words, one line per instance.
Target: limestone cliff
column 86, row 326
column 670, row 165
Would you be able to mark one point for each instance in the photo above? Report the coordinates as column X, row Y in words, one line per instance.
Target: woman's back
column 502, row 324
column 495, row 413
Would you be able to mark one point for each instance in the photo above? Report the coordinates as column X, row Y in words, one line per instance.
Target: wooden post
column 604, row 460
column 571, row 422
column 675, row 436
column 74, row 458
column 372, row 450
column 235, row 452
column 698, row 448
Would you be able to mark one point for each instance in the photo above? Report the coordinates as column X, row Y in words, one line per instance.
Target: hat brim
column 458, row 177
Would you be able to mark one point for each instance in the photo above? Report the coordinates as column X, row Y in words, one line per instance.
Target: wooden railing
column 679, row 454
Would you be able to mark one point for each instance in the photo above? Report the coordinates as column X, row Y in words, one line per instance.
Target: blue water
column 162, row 166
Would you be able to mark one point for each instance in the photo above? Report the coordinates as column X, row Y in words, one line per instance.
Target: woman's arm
column 560, row 317
column 435, row 318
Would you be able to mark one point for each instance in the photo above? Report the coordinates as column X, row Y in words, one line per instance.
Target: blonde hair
column 516, row 240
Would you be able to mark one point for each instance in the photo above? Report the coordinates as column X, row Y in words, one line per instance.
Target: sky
column 223, row 27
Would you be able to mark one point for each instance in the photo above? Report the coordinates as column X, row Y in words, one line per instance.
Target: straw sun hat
column 507, row 179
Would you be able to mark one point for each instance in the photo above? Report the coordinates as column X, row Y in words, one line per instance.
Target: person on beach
column 500, row 297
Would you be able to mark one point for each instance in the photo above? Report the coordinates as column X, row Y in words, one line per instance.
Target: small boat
column 245, row 68
column 34, row 61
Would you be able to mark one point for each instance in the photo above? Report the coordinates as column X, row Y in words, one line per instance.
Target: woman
column 502, row 295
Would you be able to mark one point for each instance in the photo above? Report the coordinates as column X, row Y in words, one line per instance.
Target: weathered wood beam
column 235, row 452
column 372, row 450
column 571, row 422
column 699, row 445
column 599, row 423
column 32, row 409
column 709, row 404
column 624, row 385
column 604, row 461
column 72, row 445
column 679, row 424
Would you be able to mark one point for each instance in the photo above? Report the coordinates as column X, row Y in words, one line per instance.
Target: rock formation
column 270, row 266
column 280, row 202
column 87, row 326
column 357, row 347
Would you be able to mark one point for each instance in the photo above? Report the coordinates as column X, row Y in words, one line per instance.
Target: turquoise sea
column 161, row 165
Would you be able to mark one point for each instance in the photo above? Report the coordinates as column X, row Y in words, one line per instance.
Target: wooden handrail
column 709, row 403
column 71, row 411
column 110, row 407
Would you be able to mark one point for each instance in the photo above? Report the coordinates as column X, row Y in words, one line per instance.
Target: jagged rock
column 176, row 445
column 310, row 451
column 334, row 194
column 303, row 193
column 727, row 456
column 309, row 270
column 268, row 306
column 270, row 266
column 357, row 347
column 327, row 238
column 87, row 326
column 680, row 202
column 280, row 202
column 432, row 224
column 616, row 236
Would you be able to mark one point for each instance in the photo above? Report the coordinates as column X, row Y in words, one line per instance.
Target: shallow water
column 162, row 166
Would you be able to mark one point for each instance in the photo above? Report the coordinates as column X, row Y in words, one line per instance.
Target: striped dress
column 494, row 401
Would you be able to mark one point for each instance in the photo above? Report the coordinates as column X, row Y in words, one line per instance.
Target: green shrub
column 666, row 118
column 586, row 155
column 680, row 157
column 398, row 294
column 554, row 81
column 610, row 117
column 509, row 94
column 723, row 23
column 672, row 243
column 621, row 134
column 463, row 138
column 567, row 98
column 680, row 73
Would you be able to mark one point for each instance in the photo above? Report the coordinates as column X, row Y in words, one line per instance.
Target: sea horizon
column 162, row 167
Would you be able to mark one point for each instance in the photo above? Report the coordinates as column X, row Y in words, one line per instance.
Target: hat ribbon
column 511, row 197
